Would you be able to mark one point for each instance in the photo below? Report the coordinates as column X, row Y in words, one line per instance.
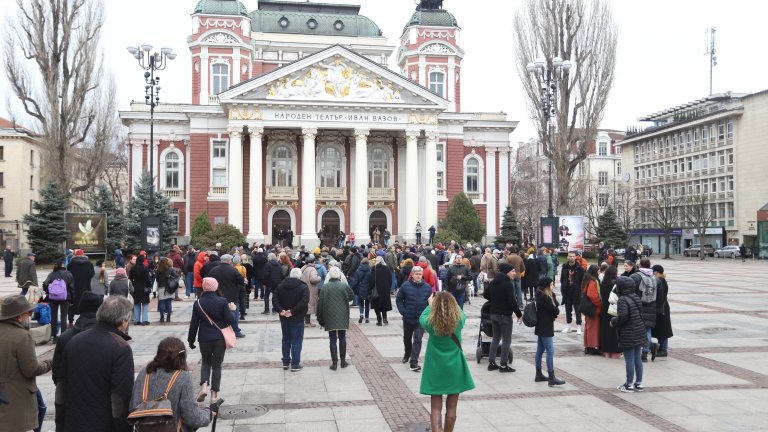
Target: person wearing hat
column 26, row 273
column 59, row 306
column 310, row 277
column 19, row 367
column 501, row 294
column 120, row 284
column 230, row 283
column 82, row 271
column 89, row 304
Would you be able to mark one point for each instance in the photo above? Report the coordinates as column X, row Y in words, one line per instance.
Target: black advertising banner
column 87, row 231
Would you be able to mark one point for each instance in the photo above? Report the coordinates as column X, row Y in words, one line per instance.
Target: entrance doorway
column 330, row 225
column 378, row 220
column 281, row 228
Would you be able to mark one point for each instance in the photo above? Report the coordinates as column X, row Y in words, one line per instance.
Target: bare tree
column 591, row 209
column 697, row 212
column 528, row 193
column 624, row 202
column 54, row 66
column 582, row 31
column 664, row 212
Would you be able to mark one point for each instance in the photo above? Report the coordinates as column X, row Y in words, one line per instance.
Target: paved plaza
column 713, row 380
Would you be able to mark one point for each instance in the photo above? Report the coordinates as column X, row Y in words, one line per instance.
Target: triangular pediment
column 335, row 75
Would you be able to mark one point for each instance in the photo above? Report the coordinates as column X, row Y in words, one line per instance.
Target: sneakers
column 578, row 329
column 296, row 368
column 506, row 369
column 492, row 366
column 625, row 388
column 566, row 329
column 661, row 353
column 241, row 335
column 405, row 359
column 286, row 366
column 415, row 368
column 639, row 387
column 360, row 321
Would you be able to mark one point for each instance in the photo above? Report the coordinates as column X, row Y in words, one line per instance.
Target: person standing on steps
column 418, row 233
column 501, row 294
column 8, row 256
column 446, row 371
column 412, row 299
column 333, row 315
column 570, row 288
column 432, row 230
column 547, row 310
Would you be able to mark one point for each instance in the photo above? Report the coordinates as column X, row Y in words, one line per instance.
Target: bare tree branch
column 698, row 213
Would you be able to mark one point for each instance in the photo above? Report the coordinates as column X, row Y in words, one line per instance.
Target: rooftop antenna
column 710, row 51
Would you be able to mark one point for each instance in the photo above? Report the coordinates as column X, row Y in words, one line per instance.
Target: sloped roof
column 433, row 17
column 300, row 22
column 221, row 7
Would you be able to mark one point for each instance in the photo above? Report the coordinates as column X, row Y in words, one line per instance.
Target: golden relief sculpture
column 334, row 80
column 430, row 119
column 237, row 113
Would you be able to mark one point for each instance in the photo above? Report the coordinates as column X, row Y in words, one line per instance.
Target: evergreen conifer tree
column 139, row 207
column 45, row 230
column 609, row 229
column 226, row 234
column 510, row 233
column 102, row 201
column 461, row 222
column 200, row 227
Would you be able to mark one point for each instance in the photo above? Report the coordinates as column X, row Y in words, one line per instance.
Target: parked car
column 647, row 250
column 620, row 251
column 731, row 252
column 696, row 250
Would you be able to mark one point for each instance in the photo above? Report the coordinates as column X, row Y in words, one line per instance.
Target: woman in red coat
column 590, row 287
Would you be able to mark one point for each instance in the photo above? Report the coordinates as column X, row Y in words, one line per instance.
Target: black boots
column 168, row 318
column 343, row 355
column 162, row 317
column 334, row 358
column 553, row 381
column 540, row 377
column 492, row 366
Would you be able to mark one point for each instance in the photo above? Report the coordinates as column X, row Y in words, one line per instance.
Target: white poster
column 571, row 233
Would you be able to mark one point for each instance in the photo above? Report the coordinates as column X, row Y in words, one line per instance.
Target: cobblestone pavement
column 713, row 380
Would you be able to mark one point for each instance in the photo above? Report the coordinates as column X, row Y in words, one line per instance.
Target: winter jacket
column 552, row 266
column 83, row 323
column 18, row 368
column 97, row 379
column 161, row 283
column 121, row 286
column 490, row 265
column 190, row 258
column 360, row 282
column 182, row 397
column 351, row 263
column 82, row 272
column 412, row 299
column 197, row 280
column 381, row 281
column 501, row 294
column 434, row 261
column 272, row 274
column 663, row 329
column 333, row 305
column 458, row 277
column 391, row 260
column 205, row 271
column 26, row 273
column 546, row 314
column 138, row 276
column 322, row 271
column 649, row 309
column 429, row 277
column 531, row 272
column 217, row 308
column 518, row 263
column 230, row 281
column 310, row 277
column 292, row 294
column 629, row 321
column 259, row 263
column 119, row 258
column 99, row 281
column 66, row 277
column 570, row 280
column 542, row 262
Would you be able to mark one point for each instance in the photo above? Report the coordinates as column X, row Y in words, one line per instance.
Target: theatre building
column 296, row 121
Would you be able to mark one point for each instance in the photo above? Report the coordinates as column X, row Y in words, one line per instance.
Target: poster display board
column 87, row 231
column 571, row 232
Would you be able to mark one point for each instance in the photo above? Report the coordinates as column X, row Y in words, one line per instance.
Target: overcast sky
column 661, row 51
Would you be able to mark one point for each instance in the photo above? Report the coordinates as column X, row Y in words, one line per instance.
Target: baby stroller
column 483, row 347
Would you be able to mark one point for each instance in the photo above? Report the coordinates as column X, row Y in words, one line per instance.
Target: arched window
column 219, row 77
column 172, row 171
column 282, row 166
column 378, row 168
column 472, row 175
column 329, row 167
column 437, row 83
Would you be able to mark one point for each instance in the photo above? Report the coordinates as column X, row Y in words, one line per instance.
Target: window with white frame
column 602, row 200
column 330, row 167
column 472, row 175
column 729, row 133
column 282, row 166
column 220, row 149
column 378, row 168
column 440, row 152
column 618, row 168
column 617, row 150
column 602, row 148
column 440, row 181
column 219, row 177
column 602, row 178
column 219, row 163
column 172, row 174
column 219, row 78
column 175, row 220
column 437, row 83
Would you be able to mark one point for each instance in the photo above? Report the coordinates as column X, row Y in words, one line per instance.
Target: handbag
column 613, row 303
column 230, row 338
column 585, row 306
column 375, row 291
column 530, row 314
column 155, row 415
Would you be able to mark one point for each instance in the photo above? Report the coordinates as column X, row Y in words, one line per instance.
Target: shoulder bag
column 613, row 301
column 530, row 314
column 586, row 306
column 375, row 291
column 230, row 338
column 155, row 415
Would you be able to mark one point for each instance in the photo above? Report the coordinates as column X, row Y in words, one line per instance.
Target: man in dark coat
column 213, row 261
column 272, row 277
column 8, row 258
column 291, row 301
column 501, row 294
column 647, row 288
column 351, row 262
column 96, row 372
column 189, row 270
column 259, row 262
column 381, row 281
column 412, row 299
column 458, row 278
column 231, row 282
column 82, row 271
column 571, row 276
column 531, row 278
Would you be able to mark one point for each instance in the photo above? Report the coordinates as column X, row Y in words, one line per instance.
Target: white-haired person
column 291, row 301
column 333, row 315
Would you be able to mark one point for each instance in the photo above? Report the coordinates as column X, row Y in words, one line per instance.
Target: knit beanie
column 210, row 284
column 236, row 259
column 120, row 272
column 89, row 302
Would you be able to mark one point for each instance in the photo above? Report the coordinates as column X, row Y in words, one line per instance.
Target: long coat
column 138, row 276
column 663, row 329
column 445, row 368
column 18, row 369
column 609, row 340
column 381, row 280
column 629, row 321
column 82, row 271
column 333, row 305
column 310, row 277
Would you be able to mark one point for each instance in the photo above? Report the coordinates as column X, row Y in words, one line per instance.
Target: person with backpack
column 167, row 376
column 59, row 287
column 166, row 286
column 547, row 309
column 631, row 329
column 646, row 284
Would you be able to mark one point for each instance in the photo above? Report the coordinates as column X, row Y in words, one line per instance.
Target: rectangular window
column 32, row 158
column 175, row 219
column 32, row 182
column 602, row 178
column 688, row 139
column 218, row 220
column 729, row 134
column 219, row 177
column 705, row 188
column 220, row 78
column 730, row 210
column 674, row 142
column 704, row 163
column 712, row 133
column 220, row 149
column 440, row 182
column 2, row 153
column 602, row 149
column 714, row 186
column 2, row 207
column 617, row 150
column 722, row 184
column 618, row 168
column 720, row 131
column 704, row 135
column 602, row 200
column 437, row 83
column 721, row 156
column 730, row 157
column 696, row 164
column 689, row 163
column 696, row 138
column 2, row 180
column 655, row 170
column 440, row 153
column 730, row 183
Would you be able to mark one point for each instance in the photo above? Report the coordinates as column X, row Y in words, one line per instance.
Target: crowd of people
column 305, row 288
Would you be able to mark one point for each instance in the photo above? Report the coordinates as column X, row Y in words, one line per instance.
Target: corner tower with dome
column 297, row 122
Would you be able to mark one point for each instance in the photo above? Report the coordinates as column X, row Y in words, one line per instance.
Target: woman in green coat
column 333, row 314
column 446, row 371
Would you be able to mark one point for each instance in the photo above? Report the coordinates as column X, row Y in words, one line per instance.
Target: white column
column 308, row 182
column 423, row 80
column 490, row 193
column 402, row 186
column 423, row 178
column 236, row 66
column 204, row 76
column 137, row 168
column 503, row 182
column 451, row 84
column 430, row 189
column 235, row 178
column 360, row 204
column 187, row 193
column 411, row 193
column 255, row 197
column 352, row 189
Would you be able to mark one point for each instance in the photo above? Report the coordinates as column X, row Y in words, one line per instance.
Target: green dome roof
column 221, row 7
column 309, row 23
column 433, row 17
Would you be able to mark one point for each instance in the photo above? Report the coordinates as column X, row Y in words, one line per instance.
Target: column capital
column 505, row 151
column 432, row 135
column 362, row 133
column 309, row 133
column 412, row 133
column 235, row 133
column 255, row 130
column 490, row 151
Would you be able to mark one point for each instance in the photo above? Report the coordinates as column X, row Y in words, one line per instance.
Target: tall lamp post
column 547, row 73
column 151, row 62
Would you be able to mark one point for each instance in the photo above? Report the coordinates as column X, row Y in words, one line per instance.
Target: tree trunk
column 666, row 245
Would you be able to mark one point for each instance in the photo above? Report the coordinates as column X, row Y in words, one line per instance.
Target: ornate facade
column 296, row 122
